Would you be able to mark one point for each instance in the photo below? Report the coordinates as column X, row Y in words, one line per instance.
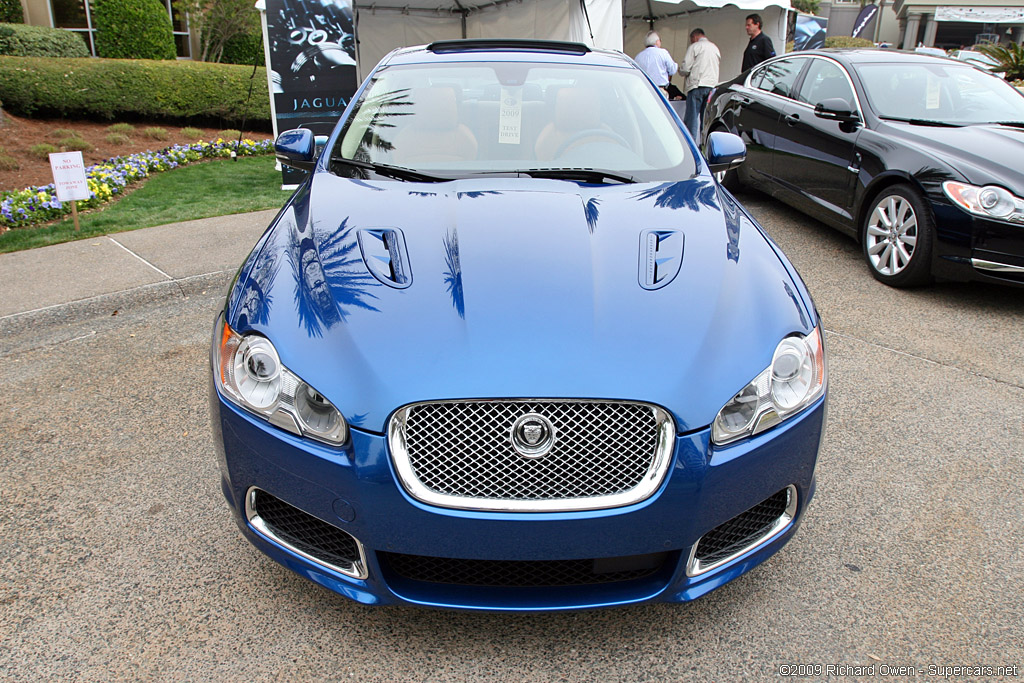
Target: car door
column 758, row 109
column 815, row 160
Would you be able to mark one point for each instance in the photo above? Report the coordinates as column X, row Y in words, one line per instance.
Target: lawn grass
column 213, row 188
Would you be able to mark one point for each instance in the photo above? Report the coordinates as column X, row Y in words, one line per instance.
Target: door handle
column 792, row 119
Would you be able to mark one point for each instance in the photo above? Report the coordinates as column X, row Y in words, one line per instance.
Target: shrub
column 847, row 41
column 133, row 29
column 192, row 133
column 229, row 134
column 7, row 162
column 118, row 139
column 155, row 132
column 74, row 144
column 1009, row 56
column 40, row 41
column 120, row 88
column 244, row 49
column 62, row 133
column 122, row 128
column 11, row 12
column 43, row 150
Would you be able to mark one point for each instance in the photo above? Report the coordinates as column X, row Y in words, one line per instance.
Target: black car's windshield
column 463, row 119
column 939, row 92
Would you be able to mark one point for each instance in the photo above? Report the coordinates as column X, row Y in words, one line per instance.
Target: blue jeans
column 694, row 108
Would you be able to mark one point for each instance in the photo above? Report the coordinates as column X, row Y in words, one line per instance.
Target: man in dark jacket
column 760, row 46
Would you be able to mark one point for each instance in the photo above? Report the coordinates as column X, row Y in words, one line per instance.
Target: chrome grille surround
column 460, row 454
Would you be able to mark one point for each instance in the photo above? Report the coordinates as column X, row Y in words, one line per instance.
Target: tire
column 730, row 180
column 896, row 237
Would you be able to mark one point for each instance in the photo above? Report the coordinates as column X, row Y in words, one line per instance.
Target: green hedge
column 125, row 88
column 11, row 12
column 244, row 49
column 22, row 40
column 847, row 41
column 133, row 29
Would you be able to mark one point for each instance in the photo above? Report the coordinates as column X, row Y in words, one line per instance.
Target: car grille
column 462, row 454
column 305, row 534
column 522, row 573
column 744, row 531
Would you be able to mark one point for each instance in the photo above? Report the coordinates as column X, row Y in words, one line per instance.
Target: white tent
column 616, row 24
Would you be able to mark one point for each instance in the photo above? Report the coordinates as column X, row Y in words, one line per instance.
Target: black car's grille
column 743, row 530
column 304, row 532
column 522, row 573
column 462, row 453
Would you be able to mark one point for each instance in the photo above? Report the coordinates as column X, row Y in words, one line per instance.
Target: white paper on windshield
column 933, row 97
column 69, row 176
column 510, row 116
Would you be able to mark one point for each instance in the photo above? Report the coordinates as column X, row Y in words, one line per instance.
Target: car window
column 940, row 91
column 779, row 76
column 506, row 116
column 825, row 80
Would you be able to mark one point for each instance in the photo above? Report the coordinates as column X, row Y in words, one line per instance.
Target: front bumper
column 975, row 248
column 355, row 489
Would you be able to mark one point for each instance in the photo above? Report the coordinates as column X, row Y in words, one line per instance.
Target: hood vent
column 661, row 255
column 385, row 256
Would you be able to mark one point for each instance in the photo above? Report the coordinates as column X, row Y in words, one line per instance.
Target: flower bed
column 34, row 205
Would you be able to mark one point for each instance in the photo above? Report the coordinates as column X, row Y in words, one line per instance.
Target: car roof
column 863, row 55
column 507, row 50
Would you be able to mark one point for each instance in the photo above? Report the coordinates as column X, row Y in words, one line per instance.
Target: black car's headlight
column 990, row 201
column 250, row 374
column 794, row 380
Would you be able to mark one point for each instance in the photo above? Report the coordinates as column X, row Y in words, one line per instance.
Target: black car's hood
column 982, row 153
column 386, row 293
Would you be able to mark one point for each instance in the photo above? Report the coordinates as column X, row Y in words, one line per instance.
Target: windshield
column 950, row 93
column 462, row 119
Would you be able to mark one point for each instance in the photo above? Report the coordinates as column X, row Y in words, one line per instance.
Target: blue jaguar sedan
column 511, row 347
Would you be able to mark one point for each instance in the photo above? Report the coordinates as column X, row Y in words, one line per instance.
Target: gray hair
column 651, row 39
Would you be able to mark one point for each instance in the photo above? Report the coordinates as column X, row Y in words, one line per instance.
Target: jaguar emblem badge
column 533, row 435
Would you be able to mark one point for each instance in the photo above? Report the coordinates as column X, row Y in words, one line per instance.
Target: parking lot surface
column 119, row 558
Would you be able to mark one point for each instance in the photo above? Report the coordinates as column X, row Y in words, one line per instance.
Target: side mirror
column 725, row 151
column 296, row 148
column 836, row 109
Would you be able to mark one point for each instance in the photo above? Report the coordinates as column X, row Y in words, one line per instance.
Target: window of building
column 76, row 15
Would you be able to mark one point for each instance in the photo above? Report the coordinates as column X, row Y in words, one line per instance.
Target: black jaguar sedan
column 919, row 158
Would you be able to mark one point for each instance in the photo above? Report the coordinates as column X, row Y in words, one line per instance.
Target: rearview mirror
column 836, row 109
column 296, row 148
column 725, row 151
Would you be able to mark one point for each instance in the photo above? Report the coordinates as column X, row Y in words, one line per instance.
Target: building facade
column 947, row 24
column 76, row 15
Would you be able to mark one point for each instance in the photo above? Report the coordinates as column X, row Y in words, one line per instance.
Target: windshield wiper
column 923, row 122
column 586, row 175
column 1011, row 124
column 396, row 172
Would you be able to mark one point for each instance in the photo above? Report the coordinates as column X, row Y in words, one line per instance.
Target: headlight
column 794, row 380
column 251, row 375
column 990, row 201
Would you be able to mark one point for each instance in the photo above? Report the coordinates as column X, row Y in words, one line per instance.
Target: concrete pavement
column 79, row 278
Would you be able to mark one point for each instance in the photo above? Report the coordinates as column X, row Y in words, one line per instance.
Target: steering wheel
column 589, row 133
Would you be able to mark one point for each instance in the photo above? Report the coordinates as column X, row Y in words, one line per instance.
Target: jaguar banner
column 311, row 65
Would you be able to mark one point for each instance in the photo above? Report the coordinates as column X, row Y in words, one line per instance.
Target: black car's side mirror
column 296, row 148
column 725, row 151
column 836, row 109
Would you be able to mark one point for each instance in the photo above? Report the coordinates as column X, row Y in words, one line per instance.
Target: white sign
column 69, row 176
column 981, row 15
column 510, row 116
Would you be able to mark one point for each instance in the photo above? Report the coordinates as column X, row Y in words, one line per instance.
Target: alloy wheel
column 892, row 233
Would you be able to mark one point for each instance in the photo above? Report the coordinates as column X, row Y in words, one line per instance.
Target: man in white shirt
column 700, row 66
column 656, row 61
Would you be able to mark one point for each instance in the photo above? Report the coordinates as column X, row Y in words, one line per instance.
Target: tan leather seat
column 433, row 132
column 576, row 110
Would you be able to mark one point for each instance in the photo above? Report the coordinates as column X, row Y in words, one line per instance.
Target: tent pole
column 464, row 12
column 650, row 16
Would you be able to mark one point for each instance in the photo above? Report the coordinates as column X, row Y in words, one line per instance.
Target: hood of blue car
column 983, row 153
column 384, row 293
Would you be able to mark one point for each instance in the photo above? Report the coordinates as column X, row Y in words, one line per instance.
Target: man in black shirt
column 760, row 46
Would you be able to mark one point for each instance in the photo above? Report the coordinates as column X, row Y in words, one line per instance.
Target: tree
column 807, row 6
column 218, row 23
